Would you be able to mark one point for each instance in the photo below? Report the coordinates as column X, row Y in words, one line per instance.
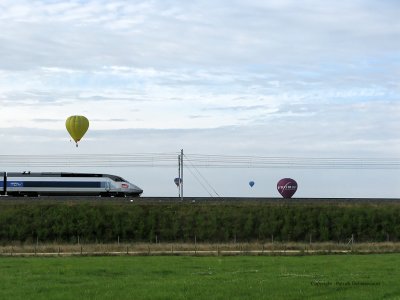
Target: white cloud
column 246, row 77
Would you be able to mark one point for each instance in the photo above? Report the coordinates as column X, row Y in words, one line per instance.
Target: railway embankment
column 155, row 220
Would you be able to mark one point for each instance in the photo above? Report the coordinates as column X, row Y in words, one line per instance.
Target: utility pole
column 181, row 175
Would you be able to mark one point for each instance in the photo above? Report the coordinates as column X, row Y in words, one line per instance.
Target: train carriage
column 66, row 184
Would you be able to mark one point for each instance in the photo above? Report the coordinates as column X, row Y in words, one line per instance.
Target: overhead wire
column 198, row 172
column 193, row 162
column 203, row 186
column 197, row 160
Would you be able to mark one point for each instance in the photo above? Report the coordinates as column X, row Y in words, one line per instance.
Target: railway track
column 195, row 200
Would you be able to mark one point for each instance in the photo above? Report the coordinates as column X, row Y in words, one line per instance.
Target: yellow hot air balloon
column 77, row 127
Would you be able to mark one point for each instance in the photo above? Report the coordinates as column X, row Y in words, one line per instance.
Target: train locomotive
column 65, row 184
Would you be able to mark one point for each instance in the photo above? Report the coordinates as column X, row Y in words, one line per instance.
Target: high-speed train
column 65, row 184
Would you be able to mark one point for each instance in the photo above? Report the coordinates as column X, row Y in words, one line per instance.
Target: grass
column 185, row 277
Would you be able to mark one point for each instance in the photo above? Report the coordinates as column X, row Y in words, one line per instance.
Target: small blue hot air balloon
column 251, row 183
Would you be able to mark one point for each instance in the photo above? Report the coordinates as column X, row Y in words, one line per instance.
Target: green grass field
column 186, row 277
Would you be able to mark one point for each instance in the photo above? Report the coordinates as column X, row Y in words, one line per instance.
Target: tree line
column 179, row 222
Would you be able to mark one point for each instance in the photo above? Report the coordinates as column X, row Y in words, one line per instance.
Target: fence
column 199, row 249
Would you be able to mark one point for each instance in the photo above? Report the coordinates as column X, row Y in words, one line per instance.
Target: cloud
column 45, row 120
column 259, row 77
column 238, row 108
column 86, row 35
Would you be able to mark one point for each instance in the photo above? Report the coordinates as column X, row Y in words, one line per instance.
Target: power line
column 168, row 160
column 204, row 179
column 204, row 187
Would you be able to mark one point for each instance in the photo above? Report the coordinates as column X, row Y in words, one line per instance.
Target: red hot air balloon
column 287, row 187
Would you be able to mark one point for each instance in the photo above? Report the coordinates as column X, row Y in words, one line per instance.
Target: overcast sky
column 272, row 78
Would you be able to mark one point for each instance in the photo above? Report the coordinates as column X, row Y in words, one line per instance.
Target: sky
column 279, row 78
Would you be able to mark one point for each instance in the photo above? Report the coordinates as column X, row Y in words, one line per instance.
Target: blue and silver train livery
column 65, row 184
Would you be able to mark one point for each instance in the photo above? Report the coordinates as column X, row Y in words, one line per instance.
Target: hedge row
column 205, row 223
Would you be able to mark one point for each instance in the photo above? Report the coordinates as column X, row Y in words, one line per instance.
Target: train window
column 80, row 175
column 114, row 178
